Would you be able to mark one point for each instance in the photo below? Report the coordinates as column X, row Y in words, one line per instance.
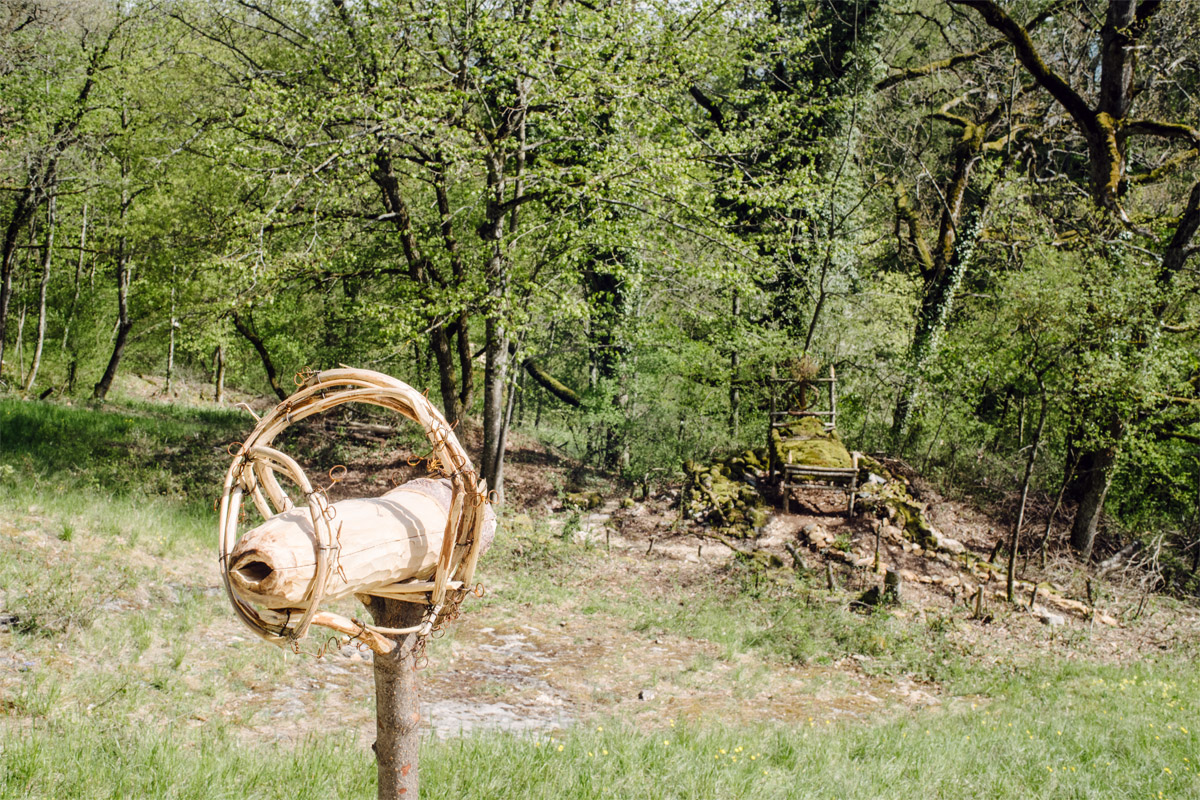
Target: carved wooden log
column 380, row 541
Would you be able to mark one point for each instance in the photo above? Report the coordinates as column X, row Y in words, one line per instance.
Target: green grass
column 113, row 684
column 1069, row 731
column 1050, row 734
column 138, row 450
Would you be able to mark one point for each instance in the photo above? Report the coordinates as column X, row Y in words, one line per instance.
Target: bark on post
column 397, row 702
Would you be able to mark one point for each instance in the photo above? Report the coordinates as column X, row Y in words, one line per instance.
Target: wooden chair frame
column 807, row 476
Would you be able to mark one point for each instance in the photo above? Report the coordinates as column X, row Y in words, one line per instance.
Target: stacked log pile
column 725, row 495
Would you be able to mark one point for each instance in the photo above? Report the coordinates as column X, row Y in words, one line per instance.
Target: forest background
column 609, row 223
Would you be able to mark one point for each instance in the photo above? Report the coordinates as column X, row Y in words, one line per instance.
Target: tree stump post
column 397, row 701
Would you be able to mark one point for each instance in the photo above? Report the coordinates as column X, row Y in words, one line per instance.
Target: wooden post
column 397, row 701
column 878, row 537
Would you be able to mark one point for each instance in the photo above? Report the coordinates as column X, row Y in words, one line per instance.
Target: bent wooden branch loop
column 254, row 469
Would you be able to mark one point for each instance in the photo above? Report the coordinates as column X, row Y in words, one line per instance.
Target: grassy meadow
column 123, row 673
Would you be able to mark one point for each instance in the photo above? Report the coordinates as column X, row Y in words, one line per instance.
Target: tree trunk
column 70, row 316
column 1094, row 477
column 124, row 278
column 47, row 247
column 22, row 213
column 496, row 347
column 734, row 392
column 21, row 344
column 219, row 375
column 124, row 324
column 466, row 362
column 439, row 342
column 608, row 304
column 502, row 447
column 1015, row 540
column 423, row 274
column 521, row 400
column 171, row 338
column 495, row 370
column 397, row 702
column 931, row 324
column 249, row 331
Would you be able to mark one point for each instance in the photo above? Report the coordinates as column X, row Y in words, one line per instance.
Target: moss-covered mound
column 888, row 497
column 725, row 494
column 806, row 441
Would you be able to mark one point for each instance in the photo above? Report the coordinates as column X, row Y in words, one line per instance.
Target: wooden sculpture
column 409, row 556
column 381, row 542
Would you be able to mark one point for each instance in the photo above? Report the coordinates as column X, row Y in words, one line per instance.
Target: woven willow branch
column 254, row 472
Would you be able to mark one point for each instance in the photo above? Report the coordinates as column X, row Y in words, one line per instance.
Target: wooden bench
column 807, row 476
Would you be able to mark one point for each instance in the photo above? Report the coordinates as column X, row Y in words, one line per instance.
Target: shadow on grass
column 131, row 449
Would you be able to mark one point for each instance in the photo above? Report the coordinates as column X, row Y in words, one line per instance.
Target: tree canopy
column 609, row 223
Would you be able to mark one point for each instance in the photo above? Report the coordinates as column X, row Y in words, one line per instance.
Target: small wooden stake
column 796, row 557
column 878, row 534
column 397, row 702
column 979, row 602
column 829, row 575
column 996, row 550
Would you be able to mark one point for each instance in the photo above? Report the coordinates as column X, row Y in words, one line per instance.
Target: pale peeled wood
column 253, row 474
column 380, row 541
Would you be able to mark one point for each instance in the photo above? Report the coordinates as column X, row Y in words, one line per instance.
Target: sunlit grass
column 1093, row 732
column 113, row 684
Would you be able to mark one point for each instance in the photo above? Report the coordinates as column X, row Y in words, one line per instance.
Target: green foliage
column 660, row 207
